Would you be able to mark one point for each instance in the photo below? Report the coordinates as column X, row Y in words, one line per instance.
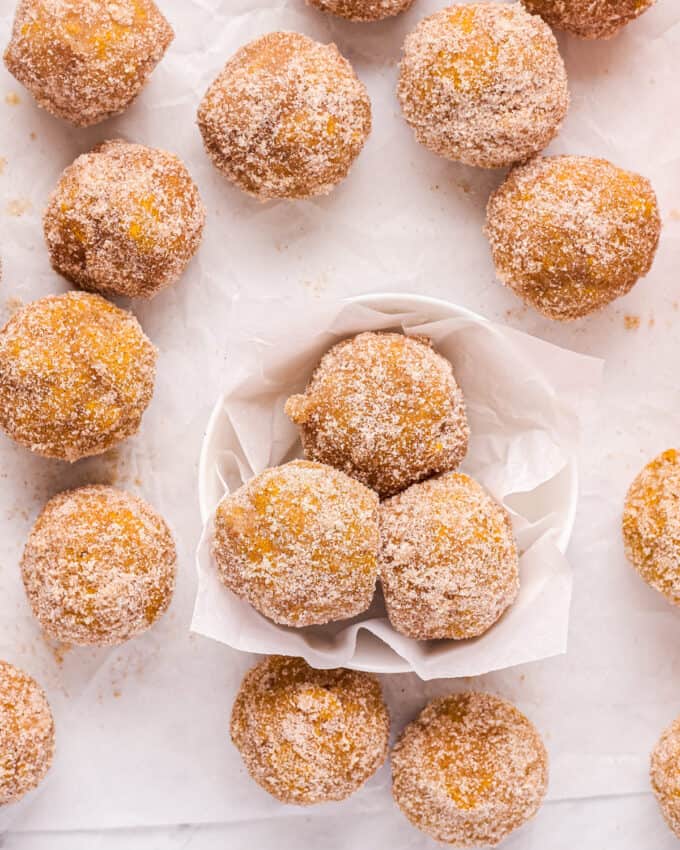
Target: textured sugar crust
column 76, row 374
column 651, row 524
column 124, row 219
column 569, row 234
column 483, row 84
column 86, row 60
column 362, row 10
column 26, row 734
column 469, row 770
column 307, row 736
column 384, row 408
column 300, row 543
column 98, row 566
column 448, row 560
column 286, row 118
column 589, row 18
column 664, row 775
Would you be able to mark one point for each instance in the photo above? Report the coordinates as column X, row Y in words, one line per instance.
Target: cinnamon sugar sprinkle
column 589, row 18
column 483, row 83
column 469, row 770
column 98, row 566
column 664, row 775
column 362, row 10
column 26, row 734
column 307, row 736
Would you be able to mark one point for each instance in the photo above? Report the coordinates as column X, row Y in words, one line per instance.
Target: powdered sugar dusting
column 386, row 409
column 308, row 736
column 664, row 775
column 286, row 118
column 589, row 18
column 469, row 770
column 448, row 560
column 124, row 219
column 362, row 10
column 300, row 543
column 98, row 566
column 483, row 83
column 569, row 234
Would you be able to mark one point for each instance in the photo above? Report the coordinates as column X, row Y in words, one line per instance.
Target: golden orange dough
column 651, row 524
column 362, row 10
column 664, row 775
column 469, row 770
column 569, row 234
column 86, row 60
column 385, row 408
column 124, row 219
column 483, row 83
column 300, row 543
column 26, row 734
column 589, row 18
column 76, row 374
column 98, row 566
column 286, row 118
column 448, row 560
column 308, row 736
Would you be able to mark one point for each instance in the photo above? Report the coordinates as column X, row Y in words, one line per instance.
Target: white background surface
column 404, row 220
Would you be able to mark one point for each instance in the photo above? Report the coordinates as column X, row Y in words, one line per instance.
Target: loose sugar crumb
column 19, row 207
column 631, row 323
column 12, row 99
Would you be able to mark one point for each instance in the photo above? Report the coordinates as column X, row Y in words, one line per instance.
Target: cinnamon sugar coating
column 286, row 118
column 124, row 219
column 483, row 83
column 651, row 524
column 308, row 736
column 569, row 234
column 98, row 566
column 589, row 18
column 362, row 10
column 300, row 543
column 76, row 374
column 469, row 770
column 385, row 408
column 664, row 774
column 86, row 60
column 26, row 734
column 448, row 560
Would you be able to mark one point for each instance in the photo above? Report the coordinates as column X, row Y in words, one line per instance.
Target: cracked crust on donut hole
column 86, row 60
column 448, row 561
column 300, row 543
column 98, row 566
column 569, row 234
column 384, row 408
column 664, row 775
column 309, row 736
column 589, row 18
column 124, row 219
column 651, row 524
column 483, row 84
column 76, row 374
column 26, row 734
column 286, row 118
column 469, row 770
column 362, row 10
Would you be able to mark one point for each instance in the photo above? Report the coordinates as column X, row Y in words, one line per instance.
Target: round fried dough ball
column 308, row 736
column 385, row 408
column 469, row 770
column 98, row 566
column 362, row 10
column 286, row 118
column 300, row 543
column 448, row 560
column 664, row 775
column 651, row 524
column 589, row 18
column 86, row 60
column 76, row 374
column 483, row 84
column 124, row 220
column 26, row 734
column 569, row 234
